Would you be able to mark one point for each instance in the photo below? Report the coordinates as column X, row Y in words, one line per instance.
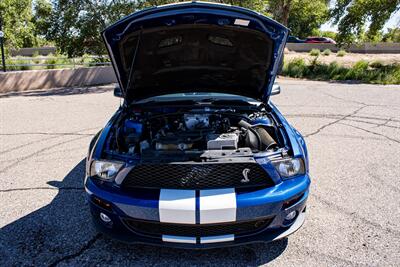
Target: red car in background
column 318, row 40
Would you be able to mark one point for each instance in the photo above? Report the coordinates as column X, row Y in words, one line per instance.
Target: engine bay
column 165, row 131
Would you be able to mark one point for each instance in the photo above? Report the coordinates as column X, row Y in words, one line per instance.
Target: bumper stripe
column 216, row 239
column 177, row 206
column 217, row 205
column 179, row 239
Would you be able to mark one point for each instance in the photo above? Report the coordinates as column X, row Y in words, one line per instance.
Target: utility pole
column 3, row 57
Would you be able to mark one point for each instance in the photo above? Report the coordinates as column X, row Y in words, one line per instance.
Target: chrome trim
column 122, row 174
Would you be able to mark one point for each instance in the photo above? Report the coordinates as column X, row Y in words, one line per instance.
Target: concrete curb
column 366, row 48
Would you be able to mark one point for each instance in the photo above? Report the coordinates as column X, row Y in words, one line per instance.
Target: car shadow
column 61, row 232
column 62, row 91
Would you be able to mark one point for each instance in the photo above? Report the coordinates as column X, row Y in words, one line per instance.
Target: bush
column 36, row 55
column 51, row 60
column 86, row 60
column 358, row 71
column 341, row 53
column 374, row 72
column 376, row 64
column 55, row 62
column 326, row 52
column 296, row 68
column 17, row 62
column 314, row 52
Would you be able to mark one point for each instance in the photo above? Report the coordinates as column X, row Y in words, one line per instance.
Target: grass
column 51, row 61
column 18, row 63
column 314, row 52
column 363, row 71
column 55, row 62
column 341, row 53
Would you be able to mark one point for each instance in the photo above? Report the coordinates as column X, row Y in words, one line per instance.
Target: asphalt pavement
column 353, row 136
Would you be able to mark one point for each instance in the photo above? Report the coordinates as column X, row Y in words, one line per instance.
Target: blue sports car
column 197, row 156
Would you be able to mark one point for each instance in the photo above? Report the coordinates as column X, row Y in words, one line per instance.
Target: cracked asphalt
column 353, row 136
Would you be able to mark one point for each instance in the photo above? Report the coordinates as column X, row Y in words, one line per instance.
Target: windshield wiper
column 166, row 103
column 235, row 102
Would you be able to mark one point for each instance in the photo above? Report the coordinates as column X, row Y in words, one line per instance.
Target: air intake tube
column 257, row 137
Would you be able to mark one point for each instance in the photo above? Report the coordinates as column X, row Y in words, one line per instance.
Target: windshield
column 197, row 97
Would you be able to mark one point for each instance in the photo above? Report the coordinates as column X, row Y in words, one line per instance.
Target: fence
column 36, row 63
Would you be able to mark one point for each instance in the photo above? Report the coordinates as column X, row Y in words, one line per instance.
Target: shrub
column 36, row 55
column 326, row 52
column 341, row 53
column 296, row 68
column 375, row 72
column 50, row 61
column 55, row 62
column 314, row 52
column 357, row 71
column 85, row 60
column 376, row 64
column 17, row 62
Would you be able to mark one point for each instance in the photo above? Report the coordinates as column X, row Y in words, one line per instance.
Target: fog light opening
column 101, row 203
column 290, row 216
column 105, row 218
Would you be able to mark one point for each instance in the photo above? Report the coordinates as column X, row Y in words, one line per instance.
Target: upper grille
column 197, row 176
column 197, row 230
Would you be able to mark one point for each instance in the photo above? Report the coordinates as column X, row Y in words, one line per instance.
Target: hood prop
column 134, row 59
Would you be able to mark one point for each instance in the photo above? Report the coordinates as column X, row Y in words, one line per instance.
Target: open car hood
column 195, row 47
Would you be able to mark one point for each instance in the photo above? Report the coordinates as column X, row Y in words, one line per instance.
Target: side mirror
column 276, row 89
column 118, row 91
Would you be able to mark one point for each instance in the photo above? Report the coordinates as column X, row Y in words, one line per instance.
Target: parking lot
column 353, row 136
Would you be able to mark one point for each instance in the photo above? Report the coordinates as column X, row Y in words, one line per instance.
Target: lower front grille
column 197, row 176
column 197, row 230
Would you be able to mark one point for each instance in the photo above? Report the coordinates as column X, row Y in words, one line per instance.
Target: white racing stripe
column 177, row 206
column 216, row 239
column 217, row 205
column 179, row 239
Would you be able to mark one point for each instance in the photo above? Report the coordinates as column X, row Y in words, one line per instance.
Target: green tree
column 301, row 17
column 354, row 17
column 306, row 16
column 18, row 28
column 76, row 24
column 392, row 36
column 42, row 10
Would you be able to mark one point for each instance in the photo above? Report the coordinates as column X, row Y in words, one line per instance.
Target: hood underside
column 195, row 47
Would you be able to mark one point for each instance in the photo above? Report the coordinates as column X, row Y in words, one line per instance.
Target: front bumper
column 275, row 202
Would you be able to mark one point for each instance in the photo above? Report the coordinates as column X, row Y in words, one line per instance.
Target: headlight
column 106, row 170
column 288, row 168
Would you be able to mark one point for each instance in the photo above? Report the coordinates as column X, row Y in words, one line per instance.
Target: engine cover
column 222, row 141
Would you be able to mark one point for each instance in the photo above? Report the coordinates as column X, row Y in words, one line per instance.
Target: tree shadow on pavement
column 61, row 233
column 62, row 91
